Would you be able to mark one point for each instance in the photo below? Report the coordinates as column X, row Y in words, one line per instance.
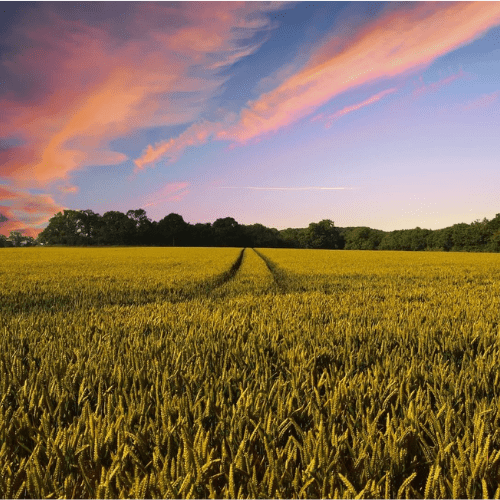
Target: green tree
column 65, row 228
column 17, row 238
column 228, row 233
column 142, row 226
column 494, row 242
column 363, row 238
column 441, row 239
column 493, row 228
column 293, row 237
column 200, row 235
column 478, row 235
column 494, row 224
column 260, row 236
column 88, row 225
column 324, row 235
column 172, row 230
column 116, row 229
column 459, row 234
column 417, row 239
column 29, row 241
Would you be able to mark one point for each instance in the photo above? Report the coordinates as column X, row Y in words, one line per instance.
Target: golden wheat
column 206, row 373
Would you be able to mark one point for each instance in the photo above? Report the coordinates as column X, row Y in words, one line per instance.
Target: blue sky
column 377, row 114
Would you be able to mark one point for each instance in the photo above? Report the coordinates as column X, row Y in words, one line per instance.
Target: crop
column 157, row 373
column 42, row 279
column 253, row 278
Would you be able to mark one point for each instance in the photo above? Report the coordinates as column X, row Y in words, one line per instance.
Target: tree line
column 86, row 228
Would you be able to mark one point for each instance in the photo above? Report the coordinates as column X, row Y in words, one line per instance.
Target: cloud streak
column 305, row 188
column 173, row 191
column 329, row 119
column 482, row 102
column 435, row 86
column 399, row 41
column 196, row 135
column 68, row 189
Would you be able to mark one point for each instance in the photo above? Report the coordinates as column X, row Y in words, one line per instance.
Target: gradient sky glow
column 284, row 113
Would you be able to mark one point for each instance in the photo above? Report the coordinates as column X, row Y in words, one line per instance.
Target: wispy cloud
column 173, row 191
column 435, row 86
column 329, row 119
column 403, row 39
column 234, row 56
column 92, row 83
column 94, row 87
column 195, row 135
column 483, row 101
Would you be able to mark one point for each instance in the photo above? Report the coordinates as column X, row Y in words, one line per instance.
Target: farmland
column 170, row 372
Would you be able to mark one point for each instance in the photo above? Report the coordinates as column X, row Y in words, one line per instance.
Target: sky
column 379, row 114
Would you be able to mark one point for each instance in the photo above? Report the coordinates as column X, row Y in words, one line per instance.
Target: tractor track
column 208, row 287
column 280, row 278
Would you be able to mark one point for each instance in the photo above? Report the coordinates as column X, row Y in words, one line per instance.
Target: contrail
column 309, row 188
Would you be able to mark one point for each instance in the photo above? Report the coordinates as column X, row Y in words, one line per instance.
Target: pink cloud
column 26, row 212
column 173, row 191
column 179, row 196
column 348, row 109
column 197, row 134
column 68, row 189
column 482, row 102
column 94, row 87
column 399, row 41
column 6, row 194
column 435, row 86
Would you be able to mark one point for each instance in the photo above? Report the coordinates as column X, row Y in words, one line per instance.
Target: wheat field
column 231, row 373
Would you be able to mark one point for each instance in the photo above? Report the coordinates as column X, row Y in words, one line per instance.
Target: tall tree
column 260, row 236
column 172, row 230
column 65, row 228
column 228, row 233
column 459, row 236
column 116, row 229
column 200, row 235
column 89, row 224
column 324, row 235
column 293, row 237
column 441, row 239
column 142, row 226
column 494, row 234
column 363, row 238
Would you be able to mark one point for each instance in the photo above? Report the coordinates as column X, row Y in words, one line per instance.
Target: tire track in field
column 280, row 277
column 207, row 287
column 22, row 303
column 229, row 275
column 252, row 278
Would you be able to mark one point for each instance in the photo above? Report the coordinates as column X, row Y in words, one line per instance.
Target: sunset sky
column 370, row 114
